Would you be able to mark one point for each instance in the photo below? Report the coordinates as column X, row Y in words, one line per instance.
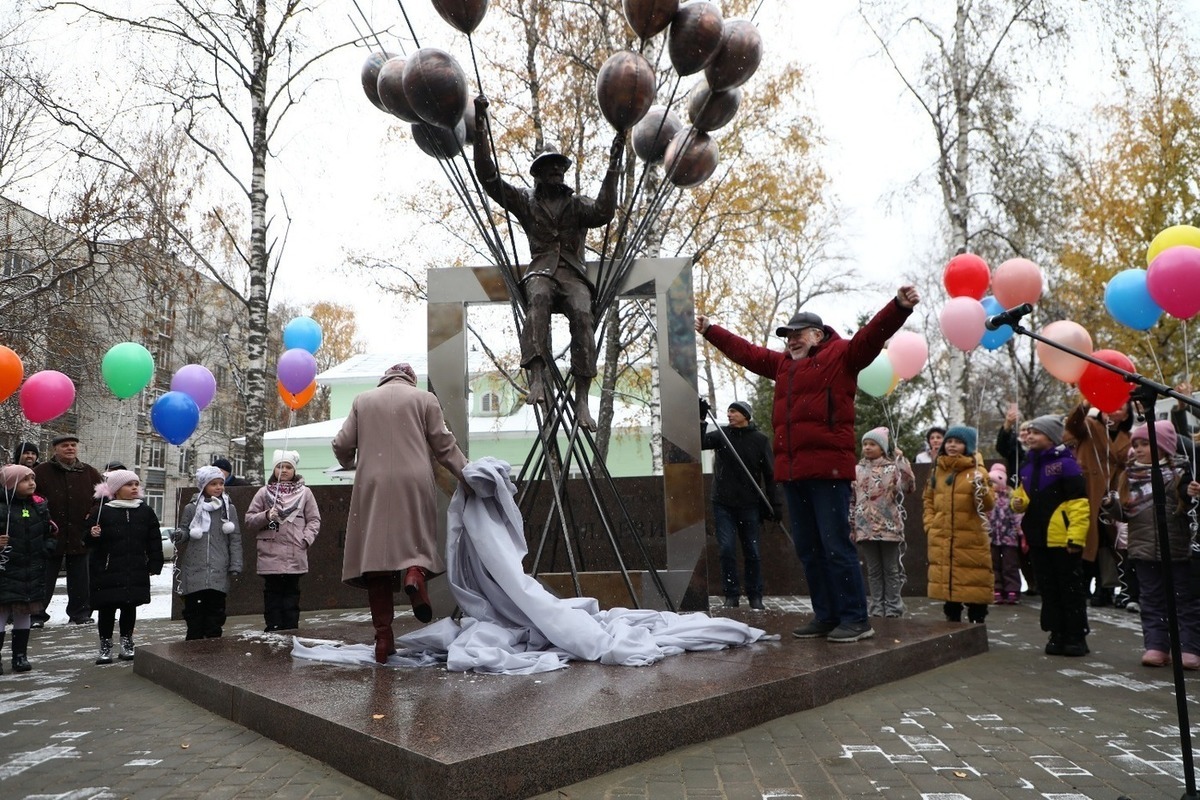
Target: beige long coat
column 389, row 438
column 958, row 497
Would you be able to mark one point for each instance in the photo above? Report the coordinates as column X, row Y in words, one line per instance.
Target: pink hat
column 999, row 472
column 113, row 481
column 12, row 474
column 1165, row 432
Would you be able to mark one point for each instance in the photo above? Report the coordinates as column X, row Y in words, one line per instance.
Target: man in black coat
column 741, row 476
column 226, row 467
column 69, row 486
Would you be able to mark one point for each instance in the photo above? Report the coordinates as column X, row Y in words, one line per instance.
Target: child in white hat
column 285, row 520
column 210, row 556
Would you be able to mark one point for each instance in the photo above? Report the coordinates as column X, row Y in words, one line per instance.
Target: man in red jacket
column 813, row 416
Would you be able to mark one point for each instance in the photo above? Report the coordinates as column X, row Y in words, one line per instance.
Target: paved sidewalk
column 1013, row 723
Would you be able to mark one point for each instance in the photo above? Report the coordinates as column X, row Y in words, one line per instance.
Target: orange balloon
column 296, row 401
column 11, row 372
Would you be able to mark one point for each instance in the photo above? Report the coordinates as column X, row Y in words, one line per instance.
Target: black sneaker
column 83, row 620
column 1054, row 646
column 756, row 603
column 1075, row 647
column 814, row 630
column 851, row 632
column 731, row 602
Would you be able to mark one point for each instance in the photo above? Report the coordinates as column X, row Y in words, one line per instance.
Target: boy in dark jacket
column 737, row 498
column 1053, row 498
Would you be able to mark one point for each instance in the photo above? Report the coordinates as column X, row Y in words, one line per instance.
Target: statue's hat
column 546, row 155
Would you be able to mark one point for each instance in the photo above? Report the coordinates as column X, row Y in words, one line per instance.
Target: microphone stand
column 1146, row 393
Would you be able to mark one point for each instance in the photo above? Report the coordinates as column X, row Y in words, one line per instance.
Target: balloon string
column 370, row 27
column 1152, row 348
column 408, row 22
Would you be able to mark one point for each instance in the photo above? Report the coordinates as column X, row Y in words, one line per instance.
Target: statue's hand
column 617, row 149
column 481, row 104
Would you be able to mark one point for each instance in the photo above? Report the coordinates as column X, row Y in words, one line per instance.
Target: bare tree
column 242, row 67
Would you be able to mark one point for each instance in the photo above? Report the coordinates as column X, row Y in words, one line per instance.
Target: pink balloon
column 1067, row 368
column 908, row 352
column 46, row 395
column 297, row 369
column 1017, row 281
column 962, row 321
column 1173, row 281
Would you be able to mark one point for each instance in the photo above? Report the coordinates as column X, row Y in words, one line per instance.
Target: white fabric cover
column 511, row 624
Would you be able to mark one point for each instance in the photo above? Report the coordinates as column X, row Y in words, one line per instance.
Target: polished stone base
column 427, row 733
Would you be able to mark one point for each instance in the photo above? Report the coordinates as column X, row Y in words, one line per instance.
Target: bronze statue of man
column 556, row 222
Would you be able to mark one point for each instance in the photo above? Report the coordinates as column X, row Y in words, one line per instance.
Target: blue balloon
column 175, row 417
column 304, row 333
column 993, row 339
column 1128, row 300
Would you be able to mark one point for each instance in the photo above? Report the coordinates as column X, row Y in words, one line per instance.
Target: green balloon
column 877, row 377
column 127, row 369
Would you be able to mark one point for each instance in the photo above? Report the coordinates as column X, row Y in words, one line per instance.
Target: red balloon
column 1106, row 390
column 967, row 275
column 695, row 36
column 738, row 57
column 389, row 88
column 625, row 89
column 649, row 17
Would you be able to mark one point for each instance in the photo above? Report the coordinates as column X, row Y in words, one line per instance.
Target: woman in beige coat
column 391, row 437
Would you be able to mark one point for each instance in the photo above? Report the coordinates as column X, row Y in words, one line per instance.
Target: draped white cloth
column 511, row 624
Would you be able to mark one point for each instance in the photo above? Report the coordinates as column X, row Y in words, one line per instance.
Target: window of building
column 150, row 453
column 15, row 264
column 490, row 403
column 217, row 420
column 187, row 460
column 156, row 499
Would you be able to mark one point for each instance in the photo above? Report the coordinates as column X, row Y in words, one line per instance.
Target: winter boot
column 953, row 611
column 20, row 646
column 383, row 611
column 126, row 653
column 105, row 654
column 414, row 587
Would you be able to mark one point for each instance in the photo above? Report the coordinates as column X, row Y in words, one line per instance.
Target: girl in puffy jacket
column 27, row 542
column 1053, row 498
column 286, row 520
column 1136, row 507
column 958, row 498
column 878, row 521
column 212, row 553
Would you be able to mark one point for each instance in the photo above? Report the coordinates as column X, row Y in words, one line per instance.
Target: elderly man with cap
column 816, row 378
column 390, row 438
column 556, row 222
column 26, row 454
column 742, row 475
column 226, row 467
column 67, row 485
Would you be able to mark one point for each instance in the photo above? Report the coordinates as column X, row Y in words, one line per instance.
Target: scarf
column 202, row 519
column 123, row 503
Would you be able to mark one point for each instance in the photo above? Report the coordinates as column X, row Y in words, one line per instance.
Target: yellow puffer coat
column 958, row 497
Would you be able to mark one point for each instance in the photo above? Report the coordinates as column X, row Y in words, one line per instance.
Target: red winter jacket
column 813, row 412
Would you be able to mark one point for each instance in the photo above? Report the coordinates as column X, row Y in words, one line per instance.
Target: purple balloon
column 297, row 369
column 196, row 382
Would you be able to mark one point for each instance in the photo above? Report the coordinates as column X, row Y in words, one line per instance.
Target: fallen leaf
column 378, row 716
column 185, row 745
column 958, row 774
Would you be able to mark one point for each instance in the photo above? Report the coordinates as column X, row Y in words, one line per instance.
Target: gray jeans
column 885, row 577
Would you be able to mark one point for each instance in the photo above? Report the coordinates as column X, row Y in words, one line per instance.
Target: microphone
column 1011, row 317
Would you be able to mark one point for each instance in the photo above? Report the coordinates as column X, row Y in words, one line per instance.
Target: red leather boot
column 414, row 587
column 379, row 597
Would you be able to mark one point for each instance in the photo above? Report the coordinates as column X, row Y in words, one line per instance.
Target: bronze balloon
column 695, row 36
column 370, row 77
column 465, row 15
column 390, row 87
column 709, row 110
column 439, row 142
column 652, row 135
column 738, row 57
column 625, row 89
column 649, row 17
column 691, row 158
column 435, row 86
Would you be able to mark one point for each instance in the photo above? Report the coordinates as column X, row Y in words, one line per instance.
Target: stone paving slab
column 444, row 736
column 1012, row 723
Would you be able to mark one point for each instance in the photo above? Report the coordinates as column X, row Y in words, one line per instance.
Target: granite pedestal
column 428, row 733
